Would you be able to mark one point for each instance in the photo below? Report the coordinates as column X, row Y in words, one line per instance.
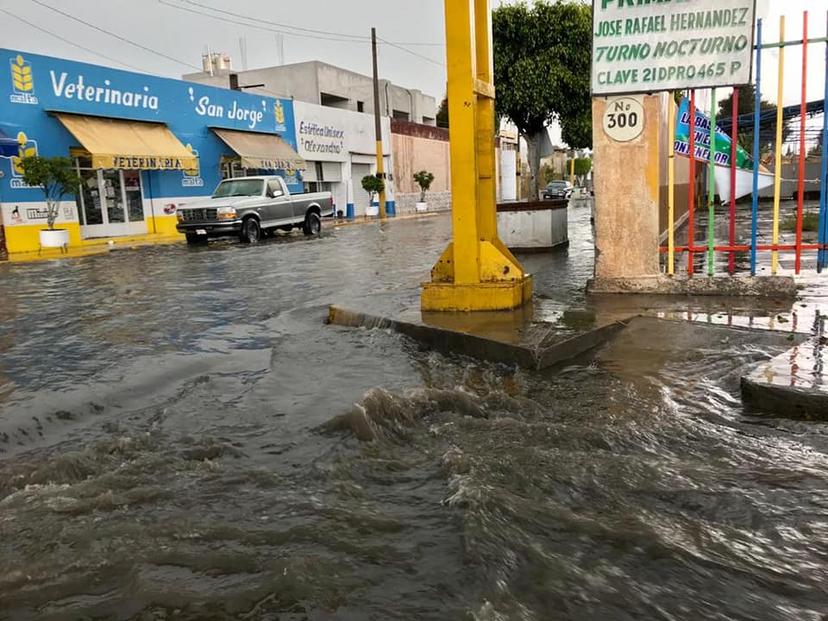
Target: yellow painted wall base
column 25, row 239
column 489, row 296
column 163, row 225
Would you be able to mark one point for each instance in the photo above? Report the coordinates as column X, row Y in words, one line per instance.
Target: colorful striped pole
column 757, row 112
column 671, row 189
column 691, row 188
column 711, row 191
column 777, row 176
column 823, row 194
column 803, row 111
column 733, row 142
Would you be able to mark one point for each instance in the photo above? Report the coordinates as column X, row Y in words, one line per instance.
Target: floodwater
column 180, row 439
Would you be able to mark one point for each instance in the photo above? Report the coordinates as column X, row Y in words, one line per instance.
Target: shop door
column 111, row 203
column 362, row 200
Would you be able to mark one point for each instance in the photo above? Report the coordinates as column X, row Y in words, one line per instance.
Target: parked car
column 558, row 189
column 250, row 207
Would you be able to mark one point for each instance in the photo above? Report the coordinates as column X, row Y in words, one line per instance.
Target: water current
column 182, row 438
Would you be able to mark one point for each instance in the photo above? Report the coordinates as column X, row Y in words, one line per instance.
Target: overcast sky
column 179, row 36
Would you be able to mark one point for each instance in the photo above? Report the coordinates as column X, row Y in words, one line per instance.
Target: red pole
column 802, row 112
column 734, row 139
column 691, row 189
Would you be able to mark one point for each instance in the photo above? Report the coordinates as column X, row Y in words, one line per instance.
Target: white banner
column 665, row 46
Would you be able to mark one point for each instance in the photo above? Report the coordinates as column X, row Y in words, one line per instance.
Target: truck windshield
column 239, row 187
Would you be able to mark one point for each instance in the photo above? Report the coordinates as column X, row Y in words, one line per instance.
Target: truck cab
column 250, row 208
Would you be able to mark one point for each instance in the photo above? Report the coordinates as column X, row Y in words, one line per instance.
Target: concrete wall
column 790, row 177
column 307, row 81
column 528, row 230
column 415, row 148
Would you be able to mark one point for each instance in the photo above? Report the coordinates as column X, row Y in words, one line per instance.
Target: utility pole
column 378, row 124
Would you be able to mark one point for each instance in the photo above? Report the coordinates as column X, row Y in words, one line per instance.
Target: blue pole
column 757, row 116
column 822, row 260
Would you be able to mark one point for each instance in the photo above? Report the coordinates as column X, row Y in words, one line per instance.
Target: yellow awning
column 262, row 151
column 131, row 145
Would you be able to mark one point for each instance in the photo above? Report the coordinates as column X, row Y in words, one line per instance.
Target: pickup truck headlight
column 179, row 215
column 226, row 213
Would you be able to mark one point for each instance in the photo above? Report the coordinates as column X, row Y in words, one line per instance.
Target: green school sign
column 645, row 46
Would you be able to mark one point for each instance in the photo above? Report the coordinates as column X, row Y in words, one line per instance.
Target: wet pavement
column 176, row 442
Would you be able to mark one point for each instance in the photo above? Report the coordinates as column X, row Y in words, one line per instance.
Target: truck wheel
column 251, row 232
column 193, row 239
column 312, row 225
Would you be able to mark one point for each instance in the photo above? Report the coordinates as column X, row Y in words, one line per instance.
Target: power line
column 278, row 31
column 412, row 52
column 70, row 42
column 309, row 30
column 336, row 36
column 112, row 34
column 249, row 25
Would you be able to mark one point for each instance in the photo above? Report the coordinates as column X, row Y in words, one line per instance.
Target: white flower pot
column 55, row 238
column 421, row 207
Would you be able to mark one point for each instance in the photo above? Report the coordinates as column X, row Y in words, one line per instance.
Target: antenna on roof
column 243, row 51
column 280, row 48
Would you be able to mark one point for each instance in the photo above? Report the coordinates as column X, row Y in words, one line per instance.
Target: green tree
column 443, row 114
column 424, row 179
column 582, row 167
column 747, row 105
column 373, row 185
column 542, row 64
column 55, row 176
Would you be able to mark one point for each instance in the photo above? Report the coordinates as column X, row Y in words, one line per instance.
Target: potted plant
column 56, row 178
column 424, row 179
column 373, row 185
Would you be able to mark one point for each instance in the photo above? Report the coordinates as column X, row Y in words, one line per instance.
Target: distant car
column 558, row 190
column 250, row 206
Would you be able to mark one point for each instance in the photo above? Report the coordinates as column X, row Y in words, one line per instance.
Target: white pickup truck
column 250, row 207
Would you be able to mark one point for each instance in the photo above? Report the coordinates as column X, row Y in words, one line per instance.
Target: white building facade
column 339, row 147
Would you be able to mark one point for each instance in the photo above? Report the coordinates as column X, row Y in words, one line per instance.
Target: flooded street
column 179, row 439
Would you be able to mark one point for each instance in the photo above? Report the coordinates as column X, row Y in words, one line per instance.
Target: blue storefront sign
column 33, row 88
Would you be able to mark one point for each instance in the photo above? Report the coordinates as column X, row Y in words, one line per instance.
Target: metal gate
column 734, row 240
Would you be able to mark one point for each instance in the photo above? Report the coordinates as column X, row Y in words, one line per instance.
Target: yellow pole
column 777, row 179
column 378, row 124
column 381, row 175
column 460, row 92
column 485, row 120
column 572, row 171
column 671, row 188
column 476, row 272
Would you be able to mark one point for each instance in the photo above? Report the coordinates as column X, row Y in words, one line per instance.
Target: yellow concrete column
column 476, row 272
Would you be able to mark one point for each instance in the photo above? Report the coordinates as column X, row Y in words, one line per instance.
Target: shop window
column 132, row 191
column 89, row 198
column 108, row 196
column 232, row 169
column 318, row 186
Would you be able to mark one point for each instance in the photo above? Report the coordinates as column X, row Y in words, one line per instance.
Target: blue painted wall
column 31, row 86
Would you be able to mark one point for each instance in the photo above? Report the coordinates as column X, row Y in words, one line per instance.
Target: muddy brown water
column 180, row 439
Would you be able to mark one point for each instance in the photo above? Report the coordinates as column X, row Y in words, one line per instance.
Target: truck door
column 279, row 208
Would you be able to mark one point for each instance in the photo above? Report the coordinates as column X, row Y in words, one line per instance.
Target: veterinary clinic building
column 142, row 146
